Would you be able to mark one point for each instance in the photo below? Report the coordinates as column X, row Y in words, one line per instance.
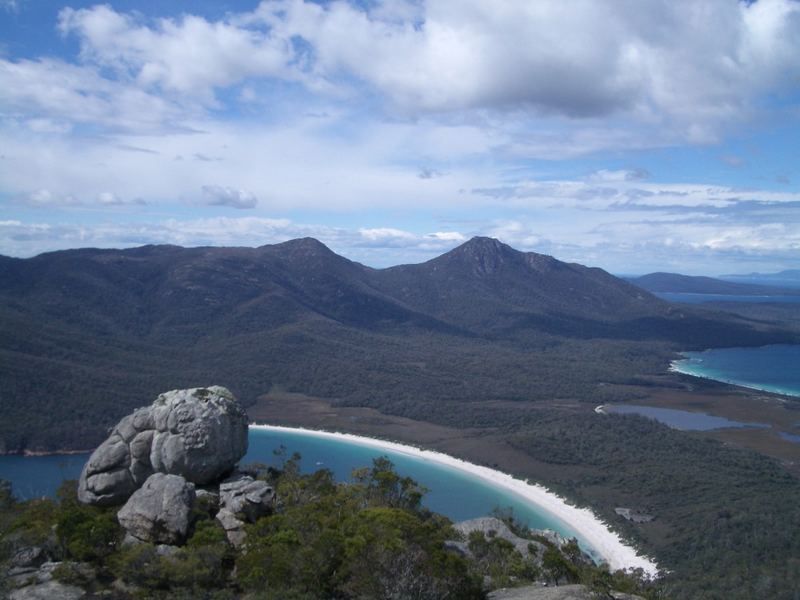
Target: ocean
column 773, row 368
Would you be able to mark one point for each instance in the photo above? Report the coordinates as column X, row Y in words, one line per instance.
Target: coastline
column 34, row 453
column 675, row 368
column 608, row 544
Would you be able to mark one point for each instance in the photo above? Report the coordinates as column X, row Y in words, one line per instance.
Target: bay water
column 774, row 368
column 457, row 494
column 693, row 298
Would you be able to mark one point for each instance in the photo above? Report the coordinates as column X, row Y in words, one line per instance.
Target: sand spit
column 608, row 544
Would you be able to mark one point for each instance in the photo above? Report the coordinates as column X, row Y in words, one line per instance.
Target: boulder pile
column 160, row 459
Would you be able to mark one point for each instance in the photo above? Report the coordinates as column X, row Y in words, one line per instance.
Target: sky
column 633, row 135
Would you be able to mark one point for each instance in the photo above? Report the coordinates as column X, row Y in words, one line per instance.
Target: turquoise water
column 453, row 493
column 681, row 419
column 770, row 368
column 688, row 298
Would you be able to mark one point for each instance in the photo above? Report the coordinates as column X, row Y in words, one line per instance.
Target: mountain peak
column 481, row 255
column 308, row 247
column 485, row 244
column 306, row 243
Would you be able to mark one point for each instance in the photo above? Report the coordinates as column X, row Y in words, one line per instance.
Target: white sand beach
column 608, row 544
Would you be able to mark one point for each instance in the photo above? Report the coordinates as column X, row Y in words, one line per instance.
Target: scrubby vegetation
column 727, row 520
column 368, row 539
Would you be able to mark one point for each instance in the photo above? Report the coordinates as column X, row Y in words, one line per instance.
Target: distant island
column 674, row 282
column 787, row 277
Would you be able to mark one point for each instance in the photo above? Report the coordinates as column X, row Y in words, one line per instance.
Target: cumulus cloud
column 366, row 107
column 659, row 63
column 661, row 60
column 217, row 195
column 189, row 55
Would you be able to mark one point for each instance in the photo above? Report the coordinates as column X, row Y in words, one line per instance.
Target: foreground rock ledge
column 199, row 434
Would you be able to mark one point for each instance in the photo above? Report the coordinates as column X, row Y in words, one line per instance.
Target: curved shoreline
column 608, row 544
column 675, row 368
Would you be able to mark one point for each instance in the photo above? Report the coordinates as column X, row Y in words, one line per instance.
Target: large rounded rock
column 160, row 511
column 198, row 433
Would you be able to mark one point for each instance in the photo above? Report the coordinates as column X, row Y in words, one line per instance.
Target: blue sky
column 634, row 136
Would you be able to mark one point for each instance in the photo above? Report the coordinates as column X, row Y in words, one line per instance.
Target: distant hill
column 686, row 284
column 789, row 278
column 87, row 334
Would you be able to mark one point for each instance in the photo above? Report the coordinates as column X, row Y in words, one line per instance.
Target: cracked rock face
column 243, row 500
column 160, row 510
column 199, row 434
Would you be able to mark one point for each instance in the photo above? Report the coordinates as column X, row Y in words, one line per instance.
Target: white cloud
column 292, row 165
column 44, row 198
column 189, row 56
column 387, row 236
column 408, row 112
column 661, row 63
column 48, row 91
column 217, row 195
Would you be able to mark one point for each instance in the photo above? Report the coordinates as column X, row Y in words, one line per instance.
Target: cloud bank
column 408, row 126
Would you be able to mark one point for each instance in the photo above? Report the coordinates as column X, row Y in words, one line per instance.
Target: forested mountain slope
column 85, row 333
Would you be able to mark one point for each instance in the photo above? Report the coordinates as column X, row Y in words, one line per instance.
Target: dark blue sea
column 688, row 298
column 773, row 368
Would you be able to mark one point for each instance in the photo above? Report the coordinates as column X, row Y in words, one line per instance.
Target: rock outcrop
column 155, row 457
column 39, row 584
column 537, row 592
column 243, row 500
column 199, row 434
column 561, row 592
column 494, row 527
column 160, row 511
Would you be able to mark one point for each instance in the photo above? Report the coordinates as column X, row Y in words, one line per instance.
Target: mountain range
column 88, row 334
